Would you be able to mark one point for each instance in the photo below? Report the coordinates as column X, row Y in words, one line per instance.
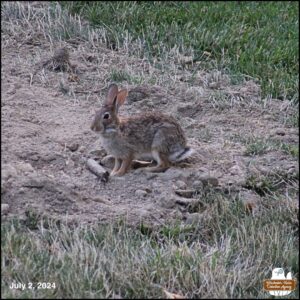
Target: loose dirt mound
column 46, row 136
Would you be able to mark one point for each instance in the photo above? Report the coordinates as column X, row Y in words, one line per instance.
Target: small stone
column 157, row 184
column 73, row 147
column 49, row 157
column 21, row 190
column 180, row 184
column 8, row 171
column 34, row 157
column 34, row 183
column 70, row 185
column 206, row 180
column 193, row 218
column 195, row 174
column 82, row 149
column 25, row 167
column 235, row 170
column 174, row 173
column 186, row 193
column 214, row 85
column 167, row 202
column 141, row 193
column 186, row 202
column 4, row 208
column 76, row 157
column 201, row 125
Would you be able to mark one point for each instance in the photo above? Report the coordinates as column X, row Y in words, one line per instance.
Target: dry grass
column 54, row 28
column 226, row 255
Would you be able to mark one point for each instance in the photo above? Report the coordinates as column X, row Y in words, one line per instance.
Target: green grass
column 227, row 254
column 121, row 75
column 257, row 39
column 276, row 182
column 259, row 146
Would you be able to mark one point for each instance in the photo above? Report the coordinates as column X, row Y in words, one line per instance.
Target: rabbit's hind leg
column 162, row 160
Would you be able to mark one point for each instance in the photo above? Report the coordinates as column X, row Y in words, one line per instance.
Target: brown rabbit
column 153, row 134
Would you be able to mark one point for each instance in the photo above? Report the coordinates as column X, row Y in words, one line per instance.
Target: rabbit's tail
column 181, row 155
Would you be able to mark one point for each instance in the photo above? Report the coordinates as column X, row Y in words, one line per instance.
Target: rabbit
column 126, row 138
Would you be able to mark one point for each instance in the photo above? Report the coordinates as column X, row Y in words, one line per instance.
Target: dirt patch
column 46, row 136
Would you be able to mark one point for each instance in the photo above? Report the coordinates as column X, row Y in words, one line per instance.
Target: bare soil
column 46, row 136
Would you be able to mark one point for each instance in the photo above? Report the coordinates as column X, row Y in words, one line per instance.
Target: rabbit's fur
column 151, row 134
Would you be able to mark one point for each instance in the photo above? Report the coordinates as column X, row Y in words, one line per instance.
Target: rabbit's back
column 152, row 130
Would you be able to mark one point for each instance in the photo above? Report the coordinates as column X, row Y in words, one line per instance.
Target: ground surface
column 44, row 118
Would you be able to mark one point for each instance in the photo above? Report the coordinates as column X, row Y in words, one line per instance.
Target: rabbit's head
column 106, row 120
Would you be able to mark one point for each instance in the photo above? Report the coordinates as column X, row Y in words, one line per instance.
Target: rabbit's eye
column 106, row 115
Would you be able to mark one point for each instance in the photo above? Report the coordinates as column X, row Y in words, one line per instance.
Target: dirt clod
column 209, row 181
column 141, row 193
column 185, row 193
column 73, row 147
column 4, row 208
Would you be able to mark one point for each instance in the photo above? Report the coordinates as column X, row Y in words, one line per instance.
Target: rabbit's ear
column 122, row 97
column 112, row 94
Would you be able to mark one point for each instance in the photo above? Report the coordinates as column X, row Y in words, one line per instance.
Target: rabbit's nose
column 96, row 127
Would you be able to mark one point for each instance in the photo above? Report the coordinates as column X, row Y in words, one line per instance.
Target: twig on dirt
column 88, row 92
column 31, row 79
column 98, row 170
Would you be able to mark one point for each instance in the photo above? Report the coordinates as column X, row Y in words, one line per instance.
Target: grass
column 293, row 120
column 259, row 146
column 243, row 39
column 121, row 75
column 222, row 256
column 276, row 182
